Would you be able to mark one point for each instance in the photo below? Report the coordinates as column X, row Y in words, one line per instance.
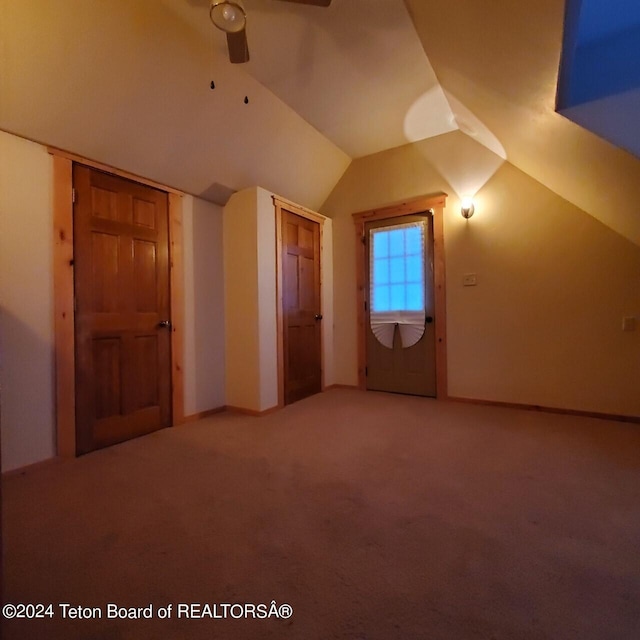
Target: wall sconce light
column 467, row 207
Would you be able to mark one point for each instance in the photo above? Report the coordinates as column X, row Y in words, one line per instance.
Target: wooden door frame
column 63, row 287
column 434, row 204
column 280, row 204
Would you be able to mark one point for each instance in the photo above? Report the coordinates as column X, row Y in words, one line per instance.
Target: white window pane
column 380, row 272
column 380, row 245
column 396, row 242
column 397, row 262
column 397, row 297
column 415, row 269
column 396, row 270
column 381, row 298
column 414, row 241
column 415, row 297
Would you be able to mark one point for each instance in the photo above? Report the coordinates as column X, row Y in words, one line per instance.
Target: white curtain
column 397, row 283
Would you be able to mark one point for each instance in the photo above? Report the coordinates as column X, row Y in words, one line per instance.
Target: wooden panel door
column 409, row 370
column 122, row 330
column 301, row 307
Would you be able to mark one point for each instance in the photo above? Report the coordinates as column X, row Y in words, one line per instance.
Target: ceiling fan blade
column 317, row 3
column 238, row 47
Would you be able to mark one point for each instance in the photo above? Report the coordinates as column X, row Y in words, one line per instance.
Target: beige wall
column 204, row 306
column 328, row 318
column 543, row 325
column 26, row 303
column 240, row 251
column 250, row 301
column 267, row 319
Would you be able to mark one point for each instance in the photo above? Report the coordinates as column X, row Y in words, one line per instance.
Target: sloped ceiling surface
column 356, row 70
column 127, row 83
column 500, row 59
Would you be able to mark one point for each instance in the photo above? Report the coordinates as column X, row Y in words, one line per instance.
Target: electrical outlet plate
column 469, row 280
column 629, row 323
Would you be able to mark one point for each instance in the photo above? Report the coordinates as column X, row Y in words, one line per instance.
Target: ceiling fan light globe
column 228, row 16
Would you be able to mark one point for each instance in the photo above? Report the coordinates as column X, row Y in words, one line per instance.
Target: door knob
column 428, row 320
column 164, row 324
column 318, row 316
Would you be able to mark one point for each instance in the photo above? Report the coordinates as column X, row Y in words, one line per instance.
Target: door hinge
column 364, row 240
column 366, row 371
column 73, row 195
column 365, row 305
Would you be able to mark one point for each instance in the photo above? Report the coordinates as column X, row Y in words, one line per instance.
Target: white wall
column 26, row 303
column 204, row 306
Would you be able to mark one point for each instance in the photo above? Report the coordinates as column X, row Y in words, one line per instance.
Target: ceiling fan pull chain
column 213, row 55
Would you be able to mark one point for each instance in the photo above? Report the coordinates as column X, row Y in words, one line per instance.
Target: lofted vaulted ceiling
column 128, row 84
column 356, row 70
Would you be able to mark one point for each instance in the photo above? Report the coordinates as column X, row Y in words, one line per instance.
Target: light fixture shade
column 228, row 16
column 467, row 207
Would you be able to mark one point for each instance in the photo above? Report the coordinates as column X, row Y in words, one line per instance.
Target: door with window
column 399, row 299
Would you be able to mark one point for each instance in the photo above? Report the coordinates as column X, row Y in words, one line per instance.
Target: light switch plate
column 469, row 280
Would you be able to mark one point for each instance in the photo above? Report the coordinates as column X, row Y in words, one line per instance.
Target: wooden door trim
column 176, row 283
column 64, row 317
column 298, row 209
column 63, row 286
column 435, row 203
column 94, row 164
column 280, row 204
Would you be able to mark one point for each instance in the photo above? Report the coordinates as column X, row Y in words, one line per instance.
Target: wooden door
column 301, row 307
column 400, row 369
column 121, row 278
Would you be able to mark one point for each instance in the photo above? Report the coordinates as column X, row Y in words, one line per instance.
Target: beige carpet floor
column 374, row 516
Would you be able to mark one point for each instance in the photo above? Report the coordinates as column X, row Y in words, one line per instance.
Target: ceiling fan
column 229, row 16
